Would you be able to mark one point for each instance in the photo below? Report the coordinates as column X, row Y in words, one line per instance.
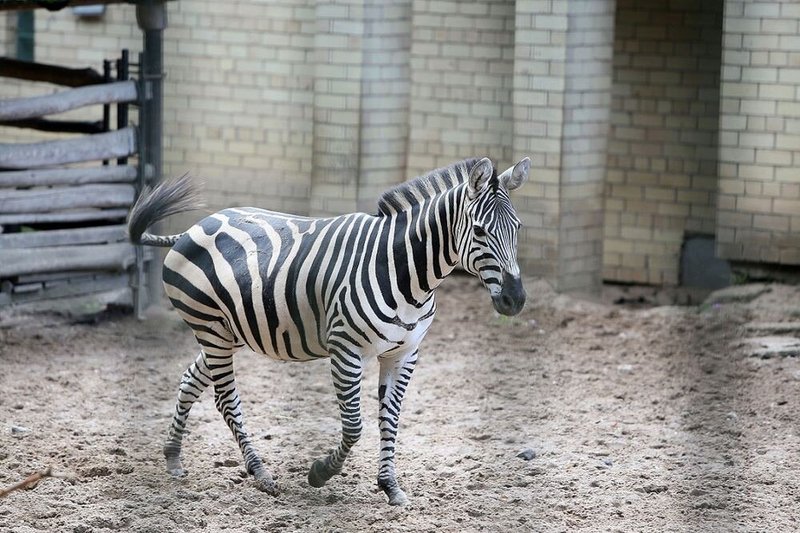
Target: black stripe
column 265, row 251
column 201, row 258
column 292, row 275
column 236, row 256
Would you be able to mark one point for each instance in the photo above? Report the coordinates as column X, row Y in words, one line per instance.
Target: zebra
column 348, row 288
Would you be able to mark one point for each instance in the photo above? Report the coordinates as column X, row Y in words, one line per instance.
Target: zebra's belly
column 285, row 329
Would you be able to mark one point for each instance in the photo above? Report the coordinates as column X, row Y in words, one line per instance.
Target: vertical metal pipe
column 152, row 19
column 123, row 64
column 106, row 107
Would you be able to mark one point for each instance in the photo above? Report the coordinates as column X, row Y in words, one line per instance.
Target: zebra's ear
column 480, row 175
column 514, row 177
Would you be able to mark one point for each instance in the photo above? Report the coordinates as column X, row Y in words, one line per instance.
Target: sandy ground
column 645, row 419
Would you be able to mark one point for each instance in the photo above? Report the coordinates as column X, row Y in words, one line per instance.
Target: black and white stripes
column 348, row 288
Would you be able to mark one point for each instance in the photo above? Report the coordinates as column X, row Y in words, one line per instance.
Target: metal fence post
column 152, row 19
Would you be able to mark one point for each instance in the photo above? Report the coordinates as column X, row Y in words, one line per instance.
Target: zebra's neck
column 426, row 244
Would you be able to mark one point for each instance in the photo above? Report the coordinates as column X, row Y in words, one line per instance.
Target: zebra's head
column 490, row 237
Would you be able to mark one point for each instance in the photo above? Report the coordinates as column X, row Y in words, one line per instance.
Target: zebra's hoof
column 398, row 497
column 268, row 485
column 319, row 474
column 176, row 472
column 174, row 467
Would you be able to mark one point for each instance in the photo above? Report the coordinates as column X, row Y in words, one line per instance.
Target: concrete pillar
column 562, row 93
column 758, row 216
column 385, row 89
column 338, row 45
column 361, row 90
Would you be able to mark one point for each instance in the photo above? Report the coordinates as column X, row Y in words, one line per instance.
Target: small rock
column 96, row 471
column 625, row 369
column 711, row 504
column 527, row 454
column 653, row 488
column 19, row 431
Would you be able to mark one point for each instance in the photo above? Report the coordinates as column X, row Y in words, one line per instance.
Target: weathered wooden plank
column 59, row 198
column 63, row 237
column 68, row 216
column 26, row 70
column 110, row 145
column 116, row 286
column 39, row 106
column 53, row 278
column 67, row 176
column 61, row 126
column 51, row 5
column 26, row 287
column 115, row 257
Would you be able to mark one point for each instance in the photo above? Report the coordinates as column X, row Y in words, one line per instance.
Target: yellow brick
column 771, row 222
column 754, row 205
column 786, row 207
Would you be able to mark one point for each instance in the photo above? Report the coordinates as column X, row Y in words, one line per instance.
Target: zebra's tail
column 167, row 198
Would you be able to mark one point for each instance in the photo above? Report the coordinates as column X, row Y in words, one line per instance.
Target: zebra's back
column 255, row 274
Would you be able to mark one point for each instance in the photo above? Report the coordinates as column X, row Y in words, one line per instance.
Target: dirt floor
column 573, row 416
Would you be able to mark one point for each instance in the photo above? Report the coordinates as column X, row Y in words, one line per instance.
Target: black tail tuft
column 167, row 198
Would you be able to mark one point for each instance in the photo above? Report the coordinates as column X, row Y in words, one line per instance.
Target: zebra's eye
column 478, row 231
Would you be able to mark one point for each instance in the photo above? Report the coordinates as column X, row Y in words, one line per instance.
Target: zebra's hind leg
column 395, row 374
column 346, row 370
column 226, row 398
column 194, row 381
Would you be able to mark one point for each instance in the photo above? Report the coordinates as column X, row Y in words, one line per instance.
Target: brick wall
column 539, row 56
column 238, row 100
column 662, row 155
column 338, row 55
column 461, row 79
column 385, row 87
column 759, row 203
column 562, row 83
column 361, row 101
column 587, row 97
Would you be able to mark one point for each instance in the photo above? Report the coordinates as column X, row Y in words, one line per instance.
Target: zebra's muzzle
column 511, row 298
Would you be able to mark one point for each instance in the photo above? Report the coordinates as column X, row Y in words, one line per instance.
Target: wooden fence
column 63, row 202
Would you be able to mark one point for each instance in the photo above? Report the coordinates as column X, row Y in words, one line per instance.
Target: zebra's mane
column 414, row 191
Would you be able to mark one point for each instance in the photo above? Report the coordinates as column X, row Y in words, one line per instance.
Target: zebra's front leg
column 395, row 374
column 346, row 369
